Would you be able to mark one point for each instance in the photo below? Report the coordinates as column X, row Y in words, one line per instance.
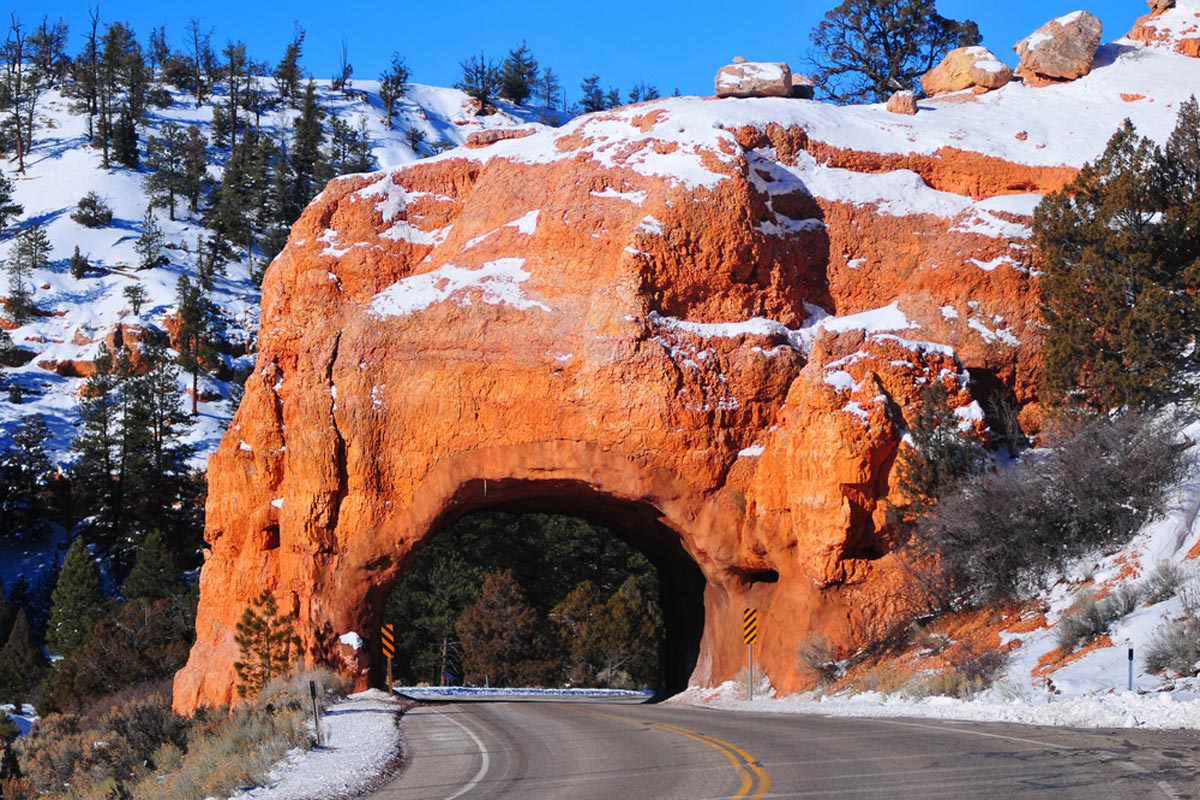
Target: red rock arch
column 556, row 334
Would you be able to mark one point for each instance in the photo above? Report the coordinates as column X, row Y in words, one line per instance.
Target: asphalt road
column 581, row 751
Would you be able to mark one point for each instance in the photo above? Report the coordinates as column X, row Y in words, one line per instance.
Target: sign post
column 1131, row 668
column 389, row 651
column 312, row 691
column 750, row 636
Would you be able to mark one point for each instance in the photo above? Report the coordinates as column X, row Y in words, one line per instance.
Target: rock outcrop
column 1062, row 49
column 754, row 79
column 966, row 68
column 1171, row 25
column 703, row 323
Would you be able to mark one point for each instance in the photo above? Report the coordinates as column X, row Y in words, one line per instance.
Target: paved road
column 581, row 751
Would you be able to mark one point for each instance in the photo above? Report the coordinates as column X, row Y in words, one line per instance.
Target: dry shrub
column 1175, row 647
column 1164, row 582
column 1088, row 617
column 818, row 660
column 886, row 678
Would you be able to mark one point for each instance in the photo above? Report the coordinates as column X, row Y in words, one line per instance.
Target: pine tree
column 267, row 644
column 150, row 243
column 195, row 320
column 125, row 139
column 154, row 442
column 154, row 575
column 349, row 147
column 549, row 91
column 593, row 96
column 865, row 50
column 518, row 74
column 135, row 293
column 22, row 659
column 1120, row 249
column 96, row 471
column 392, row 83
column 166, row 160
column 9, row 208
column 287, row 73
column 480, row 80
column 25, row 468
column 30, row 251
column 499, row 635
column 236, row 78
column 306, row 147
column 79, row 264
column 195, row 166
column 77, row 603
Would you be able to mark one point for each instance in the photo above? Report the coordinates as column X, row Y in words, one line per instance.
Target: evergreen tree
column 49, row 47
column 150, row 242
column 157, row 50
column 549, row 91
column 135, row 293
column 593, row 99
column 220, row 127
column 25, row 468
column 96, row 471
column 392, row 83
column 480, row 80
column 166, row 160
column 1121, row 258
column 306, row 148
column 865, row 50
column 236, row 78
column 499, row 635
column 642, row 92
column 940, row 457
column 9, row 208
column 154, row 575
column 125, row 140
column 79, row 264
column 287, row 73
column 201, row 57
column 518, row 74
column 195, row 320
column 267, row 644
column 155, row 450
column 195, row 166
column 30, row 251
column 22, row 664
column 349, row 147
column 77, row 603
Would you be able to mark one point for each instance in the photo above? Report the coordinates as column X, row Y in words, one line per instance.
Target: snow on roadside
column 1004, row 703
column 360, row 737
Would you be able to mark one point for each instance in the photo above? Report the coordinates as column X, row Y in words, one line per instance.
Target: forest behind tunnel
column 518, row 598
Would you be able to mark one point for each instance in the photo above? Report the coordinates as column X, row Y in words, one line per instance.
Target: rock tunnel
column 581, row 334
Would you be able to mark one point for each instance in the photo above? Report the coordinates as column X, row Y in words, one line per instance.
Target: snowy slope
column 61, row 168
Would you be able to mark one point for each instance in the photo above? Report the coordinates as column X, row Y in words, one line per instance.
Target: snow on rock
column 495, row 283
column 351, row 640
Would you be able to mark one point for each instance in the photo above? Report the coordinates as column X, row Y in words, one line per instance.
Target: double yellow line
column 755, row 781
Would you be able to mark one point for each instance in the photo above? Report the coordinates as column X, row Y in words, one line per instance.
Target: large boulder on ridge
column 1062, row 49
column 966, row 68
column 754, row 79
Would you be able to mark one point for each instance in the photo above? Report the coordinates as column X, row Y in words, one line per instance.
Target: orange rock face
column 621, row 319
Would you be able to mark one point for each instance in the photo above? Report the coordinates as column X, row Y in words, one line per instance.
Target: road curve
column 586, row 751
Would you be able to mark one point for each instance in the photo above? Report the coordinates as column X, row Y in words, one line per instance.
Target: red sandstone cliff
column 704, row 322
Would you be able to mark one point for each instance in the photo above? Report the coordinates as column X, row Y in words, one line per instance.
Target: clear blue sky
column 671, row 45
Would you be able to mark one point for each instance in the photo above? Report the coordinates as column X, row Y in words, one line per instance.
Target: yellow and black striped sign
column 389, row 640
column 750, row 625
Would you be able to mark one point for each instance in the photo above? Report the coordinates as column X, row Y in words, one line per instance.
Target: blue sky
column 671, row 45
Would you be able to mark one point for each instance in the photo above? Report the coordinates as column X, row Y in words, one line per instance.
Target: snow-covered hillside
column 79, row 313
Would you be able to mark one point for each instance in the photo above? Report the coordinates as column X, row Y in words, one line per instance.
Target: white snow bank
column 1108, row 710
column 359, row 738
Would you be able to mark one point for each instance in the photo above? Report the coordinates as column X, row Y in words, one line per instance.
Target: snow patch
column 495, row 283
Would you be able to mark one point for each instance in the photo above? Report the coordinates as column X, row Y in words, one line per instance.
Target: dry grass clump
column 138, row 749
column 1088, row 617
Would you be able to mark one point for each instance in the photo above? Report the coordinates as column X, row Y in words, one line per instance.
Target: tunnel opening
column 592, row 589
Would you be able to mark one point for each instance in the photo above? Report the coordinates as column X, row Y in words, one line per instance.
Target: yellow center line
column 743, row 763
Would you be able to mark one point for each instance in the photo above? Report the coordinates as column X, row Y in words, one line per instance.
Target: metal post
column 1131, row 668
column 312, row 690
column 750, row 672
column 389, row 676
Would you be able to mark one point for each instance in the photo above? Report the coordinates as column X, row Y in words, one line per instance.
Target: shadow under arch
column 636, row 522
